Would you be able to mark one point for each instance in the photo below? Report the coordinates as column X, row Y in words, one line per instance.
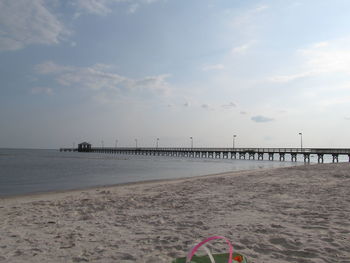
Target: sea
column 27, row 171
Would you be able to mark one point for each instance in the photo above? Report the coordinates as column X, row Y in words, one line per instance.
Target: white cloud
column 30, row 22
column 50, row 67
column 229, row 106
column 100, row 78
column 289, row 78
column 335, row 101
column 248, row 16
column 98, row 7
column 25, row 23
column 320, row 59
column 133, row 8
column 103, row 7
column 213, row 67
column 42, row 90
column 240, row 49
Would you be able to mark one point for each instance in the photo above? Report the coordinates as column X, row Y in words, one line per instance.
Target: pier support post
column 320, row 158
column 252, row 156
column 294, row 157
column 234, row 155
column 217, row 155
column 282, row 157
column 242, row 155
column 198, row 154
column 261, row 156
column 204, row 154
column 306, row 157
column 210, row 155
column 335, row 157
column 225, row 155
column 271, row 156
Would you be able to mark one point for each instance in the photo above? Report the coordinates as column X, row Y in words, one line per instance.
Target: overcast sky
column 107, row 70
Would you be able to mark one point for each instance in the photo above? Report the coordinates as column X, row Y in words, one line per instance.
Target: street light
column 301, row 140
column 157, row 142
column 233, row 141
column 191, row 142
column 136, row 142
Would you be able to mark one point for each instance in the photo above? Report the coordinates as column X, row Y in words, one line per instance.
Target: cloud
column 104, row 7
column 100, row 77
column 247, row 17
column 289, row 78
column 229, row 106
column 240, row 49
column 24, row 23
column 97, row 7
column 42, row 90
column 50, row 67
column 261, row 119
column 205, row 106
column 320, row 59
column 213, row 67
column 133, row 8
column 335, row 101
column 35, row 22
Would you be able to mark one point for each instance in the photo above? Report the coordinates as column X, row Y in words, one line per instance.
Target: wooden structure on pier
column 84, row 147
column 225, row 153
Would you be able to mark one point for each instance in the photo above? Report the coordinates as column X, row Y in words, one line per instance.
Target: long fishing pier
column 223, row 153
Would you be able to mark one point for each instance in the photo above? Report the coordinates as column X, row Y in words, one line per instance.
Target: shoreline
column 144, row 182
column 276, row 215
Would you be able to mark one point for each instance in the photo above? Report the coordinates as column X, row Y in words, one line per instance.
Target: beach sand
column 298, row 214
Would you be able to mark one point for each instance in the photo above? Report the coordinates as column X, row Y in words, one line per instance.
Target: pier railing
column 205, row 152
column 247, row 150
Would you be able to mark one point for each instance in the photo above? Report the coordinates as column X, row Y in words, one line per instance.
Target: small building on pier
column 84, row 147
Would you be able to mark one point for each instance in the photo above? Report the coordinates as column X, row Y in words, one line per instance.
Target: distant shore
column 271, row 215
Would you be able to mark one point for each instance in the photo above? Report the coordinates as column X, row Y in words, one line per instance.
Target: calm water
column 31, row 171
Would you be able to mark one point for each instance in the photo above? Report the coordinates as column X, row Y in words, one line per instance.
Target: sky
column 112, row 71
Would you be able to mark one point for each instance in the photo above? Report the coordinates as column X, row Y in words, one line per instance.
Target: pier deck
column 226, row 153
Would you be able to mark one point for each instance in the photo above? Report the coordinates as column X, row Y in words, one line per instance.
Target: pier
column 271, row 154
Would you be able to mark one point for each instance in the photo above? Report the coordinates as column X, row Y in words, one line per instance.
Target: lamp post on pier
column 157, row 143
column 191, row 142
column 301, row 140
column 233, row 141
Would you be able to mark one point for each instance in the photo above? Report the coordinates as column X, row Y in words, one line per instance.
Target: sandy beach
column 297, row 214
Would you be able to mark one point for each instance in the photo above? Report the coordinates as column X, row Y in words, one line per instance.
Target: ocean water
column 33, row 171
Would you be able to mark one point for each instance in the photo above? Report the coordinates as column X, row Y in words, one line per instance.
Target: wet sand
column 296, row 214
